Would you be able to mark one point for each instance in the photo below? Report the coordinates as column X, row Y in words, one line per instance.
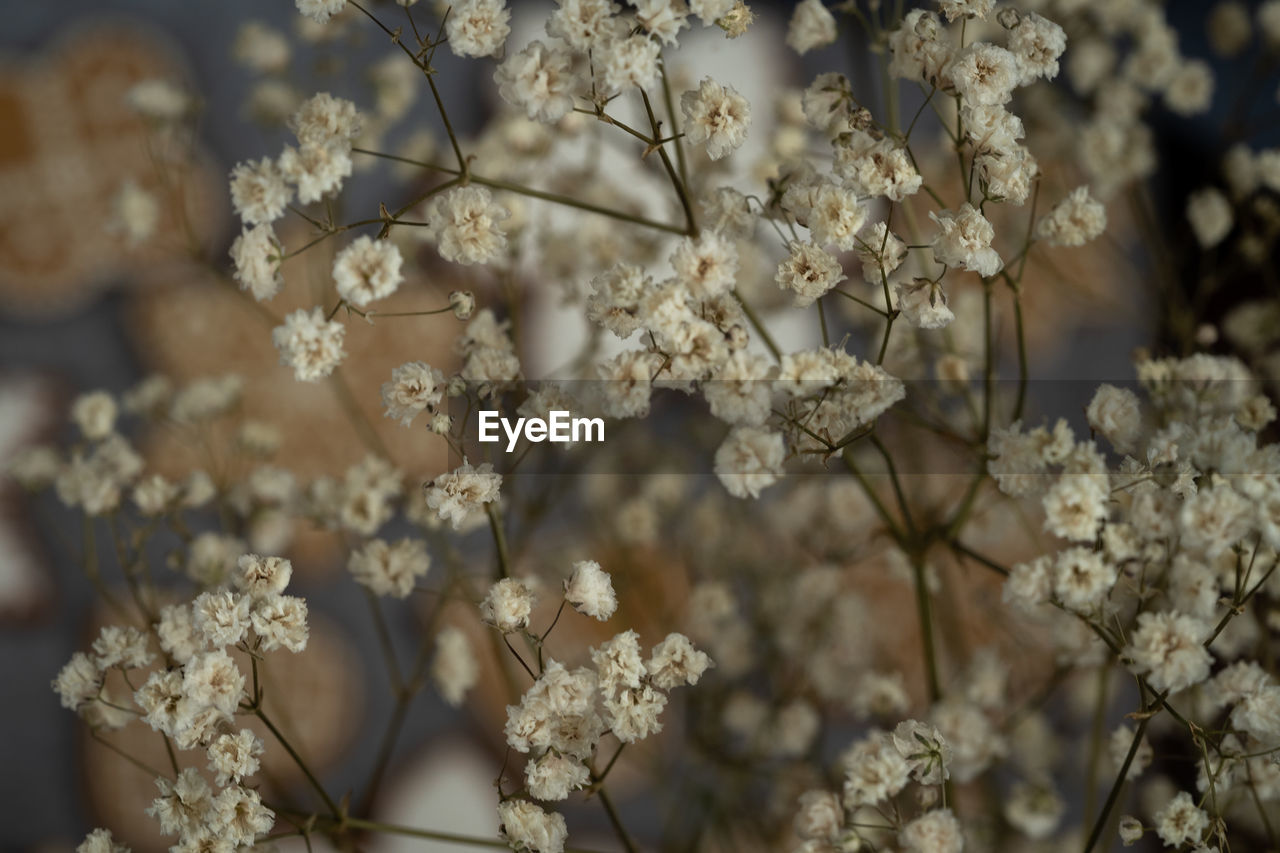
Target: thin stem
column 302, row 765
column 1114, row 794
column 499, row 540
column 616, row 821
column 756, row 324
column 924, row 612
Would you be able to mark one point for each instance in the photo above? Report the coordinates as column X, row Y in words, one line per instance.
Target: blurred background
column 81, row 308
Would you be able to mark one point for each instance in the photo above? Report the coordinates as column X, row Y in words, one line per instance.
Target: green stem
column 302, row 765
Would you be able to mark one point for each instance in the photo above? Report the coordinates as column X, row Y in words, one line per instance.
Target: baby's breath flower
column 465, row 224
column 123, row 647
column 923, row 303
column 675, row 662
column 809, row 272
column 221, row 616
column 1181, row 821
column 458, row 494
column 367, row 270
column 234, row 756
column 630, row 62
column 256, row 254
column 320, row 11
column 984, row 74
column 477, row 27
column 508, row 605
column 527, row 827
column 590, row 591
column 78, row 682
column 538, row 80
column 212, row 680
column 454, row 668
column 414, row 388
column 94, row 414
column 750, row 460
column 937, row 831
column 1209, row 213
column 280, row 621
column 737, row 20
column 717, row 116
column 1036, row 44
column 259, row 193
column 390, row 569
column 100, row 841
column 310, row 344
column 812, row 26
column 1074, row 221
column 1167, row 648
column 964, row 241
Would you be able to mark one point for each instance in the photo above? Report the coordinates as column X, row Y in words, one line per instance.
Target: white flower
column 979, row 9
column 466, row 222
column 716, row 115
column 259, row 193
column 923, row 304
column 366, row 270
column 390, row 569
column 159, row 100
column 964, row 241
column 256, row 254
column 984, row 74
column 281, row 622
column 875, row 771
column 454, row 668
column 1116, row 414
column 508, row 605
column 457, row 494
column 539, row 80
column 881, row 252
column 819, row 816
column 528, row 827
column 1074, row 221
column 707, row 265
column 749, row 460
column 1190, row 92
column 221, row 616
column 585, row 24
column 477, row 27
column 261, row 48
column 95, row 414
column 1210, row 215
column 1168, row 648
column 1181, row 821
column 812, row 26
column 310, row 344
column 317, row 169
column 662, row 18
column 320, row 11
column 675, row 662
column 921, row 51
column 78, row 682
column 1036, row 43
column 323, row 119
column 615, row 299
column 836, row 216
column 414, row 387
column 212, row 680
column 631, row 61
column 262, row 577
column 1082, row 578
column 937, row 831
column 590, row 590
column 234, row 756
